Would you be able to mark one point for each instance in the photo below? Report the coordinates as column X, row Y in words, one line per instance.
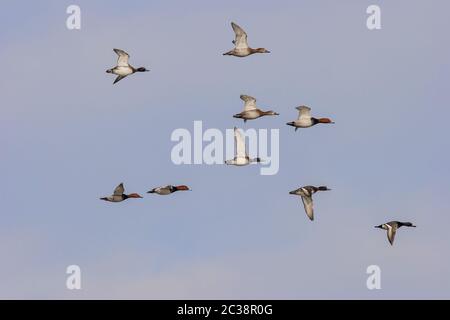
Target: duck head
column 380, row 226
column 134, row 195
column 261, row 50
column 142, row 69
column 271, row 113
column 109, row 71
column 324, row 120
column 181, row 188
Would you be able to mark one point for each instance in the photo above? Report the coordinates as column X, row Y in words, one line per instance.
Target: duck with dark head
column 123, row 68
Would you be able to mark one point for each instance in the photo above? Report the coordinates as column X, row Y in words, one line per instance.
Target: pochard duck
column 306, row 193
column 305, row 120
column 123, row 68
column 241, row 48
column 165, row 190
column 251, row 111
column 392, row 227
column 119, row 196
column 241, row 157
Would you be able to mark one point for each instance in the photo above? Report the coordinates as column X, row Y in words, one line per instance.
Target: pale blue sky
column 68, row 136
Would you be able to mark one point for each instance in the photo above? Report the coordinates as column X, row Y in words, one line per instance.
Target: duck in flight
column 241, row 48
column 305, row 120
column 392, row 227
column 251, row 111
column 123, row 68
column 168, row 189
column 119, row 195
column 306, row 193
column 241, row 157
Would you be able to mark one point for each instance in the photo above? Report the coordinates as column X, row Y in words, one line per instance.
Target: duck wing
column 240, row 41
column 122, row 60
column 308, row 204
column 118, row 191
column 391, row 233
column 118, row 78
column 304, row 113
column 240, row 143
column 250, row 102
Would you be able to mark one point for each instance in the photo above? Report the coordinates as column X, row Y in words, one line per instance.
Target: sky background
column 68, row 137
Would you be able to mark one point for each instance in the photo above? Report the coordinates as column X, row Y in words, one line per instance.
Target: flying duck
column 168, row 189
column 392, row 227
column 305, row 120
column 241, row 157
column 251, row 111
column 123, row 68
column 119, row 196
column 241, row 48
column 306, row 193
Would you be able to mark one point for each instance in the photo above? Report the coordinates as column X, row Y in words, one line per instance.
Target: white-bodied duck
column 306, row 193
column 392, row 227
column 165, row 190
column 123, row 68
column 119, row 195
column 241, row 48
column 241, row 157
column 251, row 111
column 305, row 120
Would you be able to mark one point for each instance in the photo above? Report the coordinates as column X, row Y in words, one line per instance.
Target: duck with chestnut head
column 165, row 190
column 123, row 68
column 305, row 120
column 119, row 195
column 241, row 48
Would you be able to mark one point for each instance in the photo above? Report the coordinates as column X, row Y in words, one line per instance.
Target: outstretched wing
column 391, row 233
column 118, row 78
column 122, row 60
column 308, row 204
column 240, row 143
column 240, row 41
column 250, row 102
column 304, row 113
column 118, row 191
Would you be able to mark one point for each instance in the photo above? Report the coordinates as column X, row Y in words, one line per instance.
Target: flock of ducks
column 251, row 111
column 119, row 195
